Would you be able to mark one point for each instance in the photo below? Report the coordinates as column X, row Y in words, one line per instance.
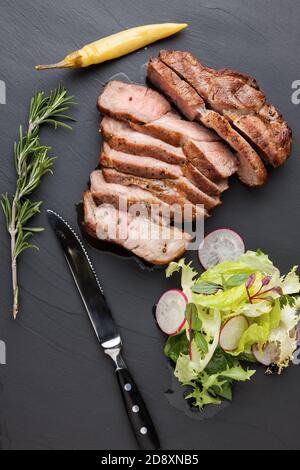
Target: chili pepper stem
column 59, row 65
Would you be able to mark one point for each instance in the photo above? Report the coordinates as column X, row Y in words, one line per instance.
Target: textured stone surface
column 57, row 390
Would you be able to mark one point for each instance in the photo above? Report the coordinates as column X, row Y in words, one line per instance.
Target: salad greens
column 251, row 287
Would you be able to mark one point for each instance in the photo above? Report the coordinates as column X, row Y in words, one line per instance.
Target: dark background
column 57, row 390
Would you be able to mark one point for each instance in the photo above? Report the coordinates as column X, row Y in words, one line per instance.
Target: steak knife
column 104, row 326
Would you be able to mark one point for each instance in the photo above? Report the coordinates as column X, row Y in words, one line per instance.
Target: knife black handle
column 138, row 414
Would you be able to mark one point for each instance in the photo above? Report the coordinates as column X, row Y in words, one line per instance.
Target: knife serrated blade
column 86, row 280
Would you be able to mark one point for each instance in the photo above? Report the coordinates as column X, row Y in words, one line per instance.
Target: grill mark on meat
column 121, row 136
column 239, row 98
column 171, row 242
column 256, row 174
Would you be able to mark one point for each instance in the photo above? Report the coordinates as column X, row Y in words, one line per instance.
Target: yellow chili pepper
column 117, row 45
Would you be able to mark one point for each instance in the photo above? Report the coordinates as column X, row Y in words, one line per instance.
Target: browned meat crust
column 238, row 97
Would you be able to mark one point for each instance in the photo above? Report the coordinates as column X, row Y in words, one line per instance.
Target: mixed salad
column 236, row 312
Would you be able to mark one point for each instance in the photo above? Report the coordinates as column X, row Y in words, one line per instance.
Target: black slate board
column 57, row 390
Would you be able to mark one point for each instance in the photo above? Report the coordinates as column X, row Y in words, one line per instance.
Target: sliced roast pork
column 169, row 128
column 147, row 167
column 238, row 97
column 213, row 159
column 160, row 188
column 137, row 165
column 175, row 131
column 115, row 194
column 154, row 242
column 121, row 136
column 251, row 169
column 136, row 103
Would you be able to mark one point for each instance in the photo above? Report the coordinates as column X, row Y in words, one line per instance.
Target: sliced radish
column 232, row 331
column 220, row 245
column 170, row 311
column 268, row 355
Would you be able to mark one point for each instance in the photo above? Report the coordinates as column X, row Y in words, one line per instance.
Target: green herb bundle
column 32, row 162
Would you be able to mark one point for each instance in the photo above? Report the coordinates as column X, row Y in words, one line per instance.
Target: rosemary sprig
column 32, row 162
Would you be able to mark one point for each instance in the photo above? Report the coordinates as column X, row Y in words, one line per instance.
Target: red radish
column 220, row 245
column 232, row 331
column 170, row 311
column 268, row 355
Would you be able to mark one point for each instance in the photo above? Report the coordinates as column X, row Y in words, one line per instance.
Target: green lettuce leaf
column 225, row 271
column 258, row 261
column 225, row 301
column 258, row 332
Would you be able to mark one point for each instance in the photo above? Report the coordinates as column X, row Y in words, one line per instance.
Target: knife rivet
column 127, row 387
column 143, row 430
column 135, row 408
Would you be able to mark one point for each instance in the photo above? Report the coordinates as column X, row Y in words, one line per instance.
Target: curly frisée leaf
column 188, row 274
column 209, row 388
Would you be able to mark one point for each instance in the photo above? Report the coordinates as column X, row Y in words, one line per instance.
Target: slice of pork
column 251, row 169
column 137, row 165
column 159, row 188
column 121, row 136
column 213, row 159
column 117, row 194
column 133, row 232
column 175, row 131
column 238, row 97
column 134, row 102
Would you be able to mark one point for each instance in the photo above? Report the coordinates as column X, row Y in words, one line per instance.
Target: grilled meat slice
column 121, row 136
column 268, row 132
column 187, row 100
column 203, row 182
column 134, row 102
column 175, row 131
column 135, row 233
column 212, row 159
column 251, row 169
column 159, row 188
column 147, row 167
column 117, row 194
column 151, row 168
column 135, row 164
column 220, row 89
column 239, row 98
